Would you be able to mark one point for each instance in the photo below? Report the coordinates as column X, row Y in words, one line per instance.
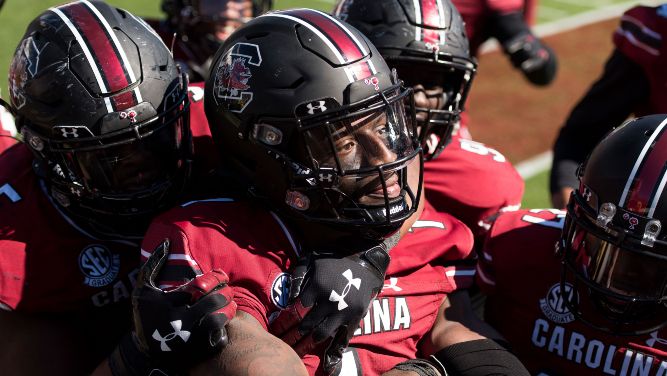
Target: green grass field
column 15, row 16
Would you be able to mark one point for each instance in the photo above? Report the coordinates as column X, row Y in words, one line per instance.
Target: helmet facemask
column 445, row 81
column 613, row 257
column 132, row 171
column 357, row 165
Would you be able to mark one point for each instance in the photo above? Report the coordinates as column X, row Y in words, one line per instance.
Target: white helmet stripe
column 119, row 47
column 84, row 47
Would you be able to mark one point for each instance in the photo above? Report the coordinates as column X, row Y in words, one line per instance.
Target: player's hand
column 175, row 329
column 536, row 60
column 329, row 297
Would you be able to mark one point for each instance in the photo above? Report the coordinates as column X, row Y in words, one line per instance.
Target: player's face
column 364, row 149
column 221, row 17
column 431, row 97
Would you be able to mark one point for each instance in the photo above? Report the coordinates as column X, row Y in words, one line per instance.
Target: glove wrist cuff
column 128, row 360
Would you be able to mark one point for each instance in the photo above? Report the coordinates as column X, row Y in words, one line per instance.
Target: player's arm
column 461, row 344
column 528, row 53
column 622, row 87
column 251, row 351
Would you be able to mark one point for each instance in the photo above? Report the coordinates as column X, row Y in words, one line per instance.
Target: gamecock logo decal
column 232, row 87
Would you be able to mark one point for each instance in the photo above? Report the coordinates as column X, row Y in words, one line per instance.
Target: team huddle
column 236, row 190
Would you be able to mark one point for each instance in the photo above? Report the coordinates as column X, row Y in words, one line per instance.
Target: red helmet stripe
column 349, row 48
column 103, row 51
column 649, row 175
column 431, row 17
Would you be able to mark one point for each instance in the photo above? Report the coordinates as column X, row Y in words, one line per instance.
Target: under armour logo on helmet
column 654, row 338
column 340, row 298
column 587, row 194
column 68, row 132
column 177, row 325
column 326, row 177
column 319, row 106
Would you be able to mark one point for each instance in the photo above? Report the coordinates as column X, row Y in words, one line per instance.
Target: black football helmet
column 425, row 41
column 613, row 247
column 203, row 25
column 101, row 103
column 317, row 126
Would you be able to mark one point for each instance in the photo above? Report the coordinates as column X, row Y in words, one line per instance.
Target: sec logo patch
column 280, row 290
column 99, row 266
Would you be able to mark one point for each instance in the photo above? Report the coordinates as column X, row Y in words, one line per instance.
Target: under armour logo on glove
column 326, row 309
column 177, row 325
column 193, row 315
column 340, row 298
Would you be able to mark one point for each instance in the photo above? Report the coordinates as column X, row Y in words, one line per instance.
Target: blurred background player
column 106, row 146
column 328, row 148
column 599, row 305
column 509, row 21
column 430, row 52
column 197, row 28
column 633, row 82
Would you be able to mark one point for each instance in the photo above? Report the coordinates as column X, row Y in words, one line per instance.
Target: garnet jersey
column 255, row 249
column 472, row 182
column 7, row 129
column 48, row 264
column 476, row 13
column 521, row 275
column 639, row 38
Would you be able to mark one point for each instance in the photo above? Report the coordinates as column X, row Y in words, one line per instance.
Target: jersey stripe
column 647, row 175
column 336, row 36
column 104, row 52
column 641, row 36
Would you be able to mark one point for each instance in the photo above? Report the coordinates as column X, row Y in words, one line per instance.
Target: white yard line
column 535, row 165
column 576, row 21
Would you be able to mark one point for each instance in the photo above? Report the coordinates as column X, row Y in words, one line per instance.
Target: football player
column 598, row 306
column 508, row 21
column 430, row 52
column 104, row 114
column 195, row 29
column 632, row 83
column 318, row 132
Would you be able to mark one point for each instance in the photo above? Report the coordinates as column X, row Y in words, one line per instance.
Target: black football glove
column 329, row 296
column 174, row 329
column 535, row 59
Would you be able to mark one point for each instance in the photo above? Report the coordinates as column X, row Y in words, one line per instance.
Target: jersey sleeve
column 472, row 181
column 12, row 273
column 505, row 6
column 189, row 256
column 621, row 89
column 639, row 35
column 520, row 235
